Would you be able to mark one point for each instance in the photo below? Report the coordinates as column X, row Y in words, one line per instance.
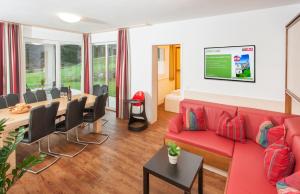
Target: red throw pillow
column 175, row 124
column 193, row 119
column 232, row 128
column 278, row 162
column 275, row 134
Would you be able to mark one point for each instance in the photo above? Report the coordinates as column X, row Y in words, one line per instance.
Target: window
column 104, row 69
column 40, row 65
column 70, row 66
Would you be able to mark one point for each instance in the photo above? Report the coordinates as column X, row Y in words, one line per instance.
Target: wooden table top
column 16, row 120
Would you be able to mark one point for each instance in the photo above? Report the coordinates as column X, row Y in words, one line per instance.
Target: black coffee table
column 182, row 174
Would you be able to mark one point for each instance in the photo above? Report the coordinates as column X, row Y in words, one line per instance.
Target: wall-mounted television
column 234, row 63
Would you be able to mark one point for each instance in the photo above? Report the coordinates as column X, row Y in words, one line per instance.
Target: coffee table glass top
column 181, row 174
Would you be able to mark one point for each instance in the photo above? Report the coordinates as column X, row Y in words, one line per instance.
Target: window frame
column 58, row 45
column 106, row 64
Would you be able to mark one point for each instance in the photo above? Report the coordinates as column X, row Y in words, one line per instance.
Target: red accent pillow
column 275, row 134
column 278, row 162
column 232, row 128
column 198, row 121
column 175, row 124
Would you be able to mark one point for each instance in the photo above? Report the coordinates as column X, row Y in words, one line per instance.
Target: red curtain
column 14, row 58
column 86, row 42
column 122, row 81
column 2, row 44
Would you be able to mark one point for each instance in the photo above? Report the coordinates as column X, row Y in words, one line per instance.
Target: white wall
column 53, row 35
column 263, row 28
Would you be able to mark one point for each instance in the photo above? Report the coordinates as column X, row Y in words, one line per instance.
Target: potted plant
column 173, row 152
column 9, row 146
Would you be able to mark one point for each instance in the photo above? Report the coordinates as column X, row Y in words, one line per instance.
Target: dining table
column 15, row 121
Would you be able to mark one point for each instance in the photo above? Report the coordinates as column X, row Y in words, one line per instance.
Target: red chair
column 138, row 121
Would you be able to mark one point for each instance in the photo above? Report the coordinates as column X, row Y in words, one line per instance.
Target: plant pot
column 173, row 159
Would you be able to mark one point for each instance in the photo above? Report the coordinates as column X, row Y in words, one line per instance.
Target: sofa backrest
column 212, row 111
column 292, row 126
column 296, row 151
column 254, row 117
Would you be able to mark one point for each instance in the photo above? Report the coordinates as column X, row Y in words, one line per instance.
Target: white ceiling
column 104, row 15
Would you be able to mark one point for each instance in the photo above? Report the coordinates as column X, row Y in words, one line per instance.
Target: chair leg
column 64, row 154
column 106, row 136
column 104, row 121
column 48, row 154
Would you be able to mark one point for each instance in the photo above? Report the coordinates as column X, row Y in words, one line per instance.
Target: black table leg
column 187, row 192
column 200, row 180
column 146, row 181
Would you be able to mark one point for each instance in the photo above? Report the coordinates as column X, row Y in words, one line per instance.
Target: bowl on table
column 20, row 108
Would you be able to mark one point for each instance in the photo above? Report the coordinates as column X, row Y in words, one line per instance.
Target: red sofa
column 244, row 161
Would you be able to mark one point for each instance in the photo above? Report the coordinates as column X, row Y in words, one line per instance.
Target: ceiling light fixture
column 68, row 17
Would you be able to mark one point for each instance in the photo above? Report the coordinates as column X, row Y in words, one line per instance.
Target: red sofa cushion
column 246, row 173
column 255, row 117
column 204, row 139
column 212, row 111
column 278, row 162
column 187, row 103
column 176, row 123
column 292, row 126
column 296, row 151
column 193, row 119
column 232, row 128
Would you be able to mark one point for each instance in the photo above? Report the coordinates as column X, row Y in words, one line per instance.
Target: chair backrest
column 104, row 89
column 51, row 116
column 29, row 97
column 55, row 93
column 3, row 103
column 12, row 99
column 37, row 123
column 74, row 115
column 41, row 95
column 99, row 107
column 64, row 89
column 82, row 102
column 96, row 90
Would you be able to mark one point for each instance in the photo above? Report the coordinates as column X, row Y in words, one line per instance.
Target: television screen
column 236, row 63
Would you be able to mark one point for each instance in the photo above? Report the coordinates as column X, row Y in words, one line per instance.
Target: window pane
column 40, row 65
column 112, row 52
column 71, row 66
column 99, row 67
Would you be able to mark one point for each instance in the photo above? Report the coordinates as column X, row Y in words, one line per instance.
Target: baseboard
column 215, row 170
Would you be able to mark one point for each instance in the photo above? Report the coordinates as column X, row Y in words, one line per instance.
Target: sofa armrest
column 176, row 124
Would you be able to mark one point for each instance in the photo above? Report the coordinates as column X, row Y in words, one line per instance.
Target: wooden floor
column 113, row 167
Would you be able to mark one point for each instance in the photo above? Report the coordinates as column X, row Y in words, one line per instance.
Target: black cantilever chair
column 12, row 99
column 73, row 118
column 3, row 103
column 55, row 93
column 29, row 97
column 64, row 90
column 41, row 95
column 38, row 130
column 95, row 113
column 96, row 90
column 104, row 89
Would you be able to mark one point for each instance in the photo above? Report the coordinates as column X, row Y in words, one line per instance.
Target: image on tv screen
column 235, row 63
